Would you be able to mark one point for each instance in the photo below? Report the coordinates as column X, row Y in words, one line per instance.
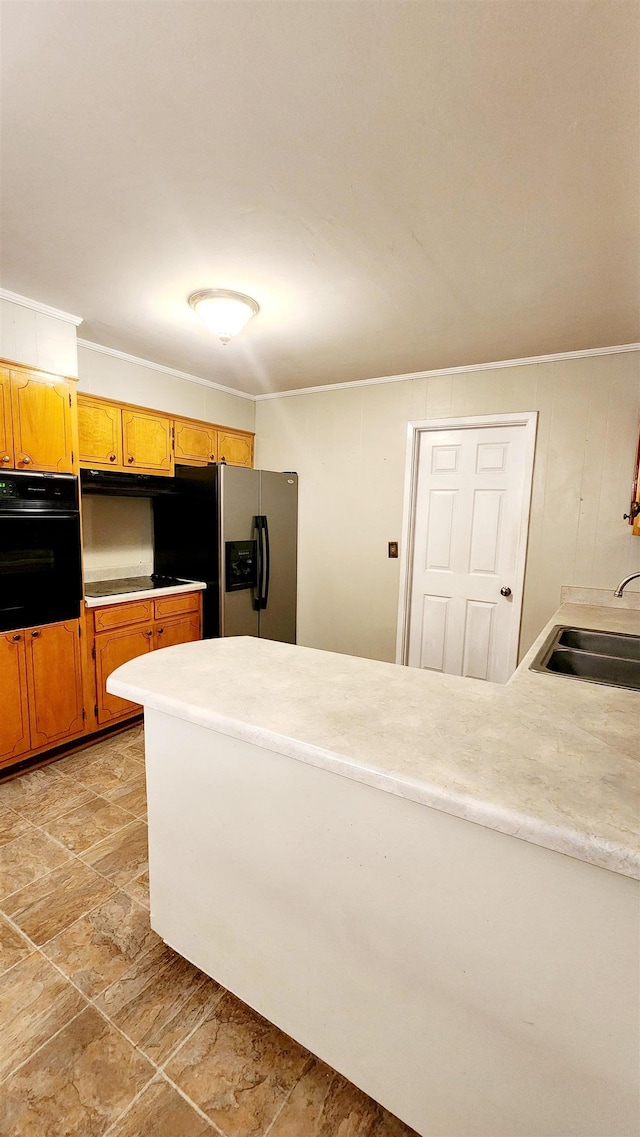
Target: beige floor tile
column 79, row 1083
column 13, row 946
column 123, row 855
column 12, row 825
column 238, row 1068
column 159, row 1001
column 113, row 768
column 161, row 1112
column 138, row 889
column 324, row 1104
column 42, row 794
column 102, row 946
column 35, row 1002
column 43, row 909
column 27, row 858
column 90, row 823
column 131, row 796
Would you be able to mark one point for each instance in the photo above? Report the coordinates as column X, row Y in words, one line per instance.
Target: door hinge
column 70, row 403
column 79, row 630
column 93, row 651
column 95, row 710
column 72, row 458
column 84, row 714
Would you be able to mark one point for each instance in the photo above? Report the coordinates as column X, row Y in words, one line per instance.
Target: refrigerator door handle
column 262, row 566
column 267, row 562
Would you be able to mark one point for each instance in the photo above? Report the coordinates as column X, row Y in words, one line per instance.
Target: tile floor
column 105, row 1030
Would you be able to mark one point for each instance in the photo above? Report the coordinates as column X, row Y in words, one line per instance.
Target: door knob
column 26, row 459
column 505, row 591
column 130, row 458
column 16, row 637
column 112, row 457
column 6, row 458
column 35, row 634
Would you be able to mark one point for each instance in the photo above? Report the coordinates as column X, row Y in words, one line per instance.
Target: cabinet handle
column 25, row 460
column 35, row 634
column 149, row 633
column 130, row 458
column 212, row 457
column 6, row 458
column 160, row 631
column 16, row 637
column 112, row 457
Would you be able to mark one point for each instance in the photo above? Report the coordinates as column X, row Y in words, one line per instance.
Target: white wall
column 146, row 386
column 117, row 537
column 37, row 339
column 349, row 448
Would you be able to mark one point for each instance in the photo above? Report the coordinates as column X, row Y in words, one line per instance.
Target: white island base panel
column 474, row 984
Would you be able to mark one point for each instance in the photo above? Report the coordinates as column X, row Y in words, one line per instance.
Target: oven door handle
column 38, row 514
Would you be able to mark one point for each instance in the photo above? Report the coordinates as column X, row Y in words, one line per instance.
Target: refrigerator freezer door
column 279, row 504
column 239, row 499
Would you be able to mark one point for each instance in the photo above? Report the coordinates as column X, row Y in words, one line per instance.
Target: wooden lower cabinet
column 112, row 649
column 181, row 630
column 41, row 689
column 14, row 709
column 124, row 631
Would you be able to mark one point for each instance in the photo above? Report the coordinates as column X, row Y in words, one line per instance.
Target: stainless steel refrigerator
column 237, row 530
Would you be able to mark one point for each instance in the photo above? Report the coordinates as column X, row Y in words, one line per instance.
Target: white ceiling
column 401, row 186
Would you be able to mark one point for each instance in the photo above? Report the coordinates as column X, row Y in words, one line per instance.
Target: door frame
column 526, row 419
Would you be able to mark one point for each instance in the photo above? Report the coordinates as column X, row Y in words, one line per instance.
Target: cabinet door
column 235, row 447
column 177, row 631
column 100, row 433
column 112, row 650
column 6, row 432
column 146, row 442
column 194, row 443
column 42, row 422
column 55, row 682
column 14, row 713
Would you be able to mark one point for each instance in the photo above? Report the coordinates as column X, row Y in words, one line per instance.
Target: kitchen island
column 426, row 880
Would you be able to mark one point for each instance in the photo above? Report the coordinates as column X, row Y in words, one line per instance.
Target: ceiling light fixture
column 224, row 313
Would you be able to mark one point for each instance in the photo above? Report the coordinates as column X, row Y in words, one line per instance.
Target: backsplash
column 117, row 537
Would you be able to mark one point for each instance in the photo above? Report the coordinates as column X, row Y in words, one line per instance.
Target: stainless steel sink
column 611, row 658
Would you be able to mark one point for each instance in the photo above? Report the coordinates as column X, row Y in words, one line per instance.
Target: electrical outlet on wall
column 393, row 549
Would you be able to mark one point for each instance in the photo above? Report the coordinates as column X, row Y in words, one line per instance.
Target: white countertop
column 144, row 594
column 545, row 758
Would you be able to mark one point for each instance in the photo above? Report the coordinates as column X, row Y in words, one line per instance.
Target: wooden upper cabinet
column 42, row 421
column 119, row 436
column 100, row 433
column 14, row 710
column 54, row 682
column 147, row 441
column 195, row 443
column 6, row 430
column 235, row 447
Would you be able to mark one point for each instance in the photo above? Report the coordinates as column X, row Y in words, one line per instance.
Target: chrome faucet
column 623, row 583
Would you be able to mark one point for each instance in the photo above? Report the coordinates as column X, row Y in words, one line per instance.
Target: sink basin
column 602, row 643
column 595, row 657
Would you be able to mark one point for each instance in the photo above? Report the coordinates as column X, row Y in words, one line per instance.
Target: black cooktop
column 131, row 584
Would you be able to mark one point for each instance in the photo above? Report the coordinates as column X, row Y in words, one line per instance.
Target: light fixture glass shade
column 224, row 313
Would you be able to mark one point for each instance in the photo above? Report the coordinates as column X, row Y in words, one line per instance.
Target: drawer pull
column 16, row 637
column 35, row 634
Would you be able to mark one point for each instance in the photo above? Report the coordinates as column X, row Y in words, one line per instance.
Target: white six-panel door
column 472, row 490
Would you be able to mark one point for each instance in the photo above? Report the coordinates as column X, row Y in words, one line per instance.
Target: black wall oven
column 40, row 559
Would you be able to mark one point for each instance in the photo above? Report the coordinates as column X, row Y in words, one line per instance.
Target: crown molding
column 442, row 371
column 36, row 306
column 90, row 346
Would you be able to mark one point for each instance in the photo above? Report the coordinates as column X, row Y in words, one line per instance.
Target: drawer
column 176, row 605
column 119, row 615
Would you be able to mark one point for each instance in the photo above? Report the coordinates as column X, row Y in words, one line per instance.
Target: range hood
column 119, row 484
